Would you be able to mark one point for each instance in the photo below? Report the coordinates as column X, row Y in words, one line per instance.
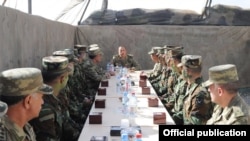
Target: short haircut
column 12, row 100
column 231, row 87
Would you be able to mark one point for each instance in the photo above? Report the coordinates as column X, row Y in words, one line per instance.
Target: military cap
column 175, row 51
column 93, row 45
column 95, row 51
column 3, row 108
column 154, row 50
column 69, row 53
column 190, row 61
column 81, row 48
column 55, row 64
column 222, row 74
column 160, row 51
column 22, row 81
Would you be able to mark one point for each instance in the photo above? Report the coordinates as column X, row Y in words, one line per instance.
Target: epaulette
column 130, row 55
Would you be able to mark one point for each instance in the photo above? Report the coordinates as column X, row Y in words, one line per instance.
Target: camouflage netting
column 216, row 15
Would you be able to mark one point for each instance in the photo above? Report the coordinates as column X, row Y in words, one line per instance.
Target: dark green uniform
column 128, row 62
column 49, row 125
column 237, row 112
column 10, row 131
column 197, row 107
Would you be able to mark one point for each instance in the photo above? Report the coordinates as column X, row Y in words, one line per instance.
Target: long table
column 112, row 113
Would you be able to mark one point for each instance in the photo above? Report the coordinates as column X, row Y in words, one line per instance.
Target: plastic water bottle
column 108, row 67
column 118, row 85
column 132, row 105
column 124, row 98
column 124, row 135
column 111, row 67
column 128, row 84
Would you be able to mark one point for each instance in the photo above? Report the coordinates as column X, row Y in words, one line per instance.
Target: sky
column 51, row 8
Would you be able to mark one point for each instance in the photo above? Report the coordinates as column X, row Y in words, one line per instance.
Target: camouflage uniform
column 157, row 66
column 48, row 126
column 179, row 94
column 236, row 111
column 11, row 81
column 174, row 53
column 197, row 107
column 128, row 62
column 94, row 74
column 10, row 131
column 53, row 123
column 71, row 96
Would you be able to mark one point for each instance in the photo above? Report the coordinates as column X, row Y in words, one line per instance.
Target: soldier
column 94, row 74
column 52, row 123
column 125, row 60
column 159, row 85
column 197, row 107
column 22, row 89
column 68, row 94
column 157, row 69
column 231, row 109
column 155, row 82
column 175, row 54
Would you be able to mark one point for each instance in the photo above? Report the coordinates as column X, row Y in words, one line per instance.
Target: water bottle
column 132, row 105
column 108, row 67
column 128, row 84
column 125, row 98
column 118, row 85
column 111, row 67
column 124, row 135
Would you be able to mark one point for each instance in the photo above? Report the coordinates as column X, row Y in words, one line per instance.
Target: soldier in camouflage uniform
column 22, row 89
column 174, row 54
column 53, row 123
column 157, row 66
column 94, row 74
column 223, row 84
column 125, row 60
column 161, row 85
column 67, row 94
column 197, row 107
column 155, row 82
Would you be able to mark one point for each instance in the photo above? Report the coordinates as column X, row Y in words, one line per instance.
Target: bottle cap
column 138, row 135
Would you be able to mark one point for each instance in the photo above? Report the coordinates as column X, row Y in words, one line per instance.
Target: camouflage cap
column 69, row 53
column 160, row 51
column 95, row 51
column 55, row 64
column 221, row 74
column 190, row 61
column 175, row 51
column 154, row 50
column 93, row 45
column 22, row 81
column 81, row 48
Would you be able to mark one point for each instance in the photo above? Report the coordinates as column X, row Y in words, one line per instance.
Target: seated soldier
column 124, row 60
column 22, row 90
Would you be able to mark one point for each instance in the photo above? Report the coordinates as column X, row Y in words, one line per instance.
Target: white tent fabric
column 70, row 11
